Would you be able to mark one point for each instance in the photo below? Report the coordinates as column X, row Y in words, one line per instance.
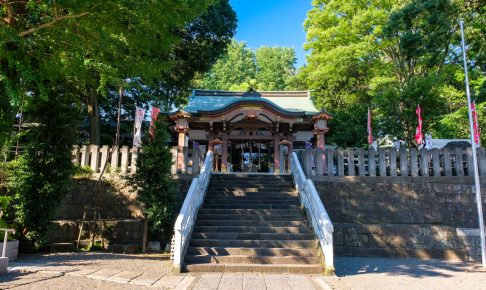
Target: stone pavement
column 111, row 271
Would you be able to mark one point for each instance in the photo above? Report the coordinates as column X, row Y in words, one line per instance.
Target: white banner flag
column 137, row 131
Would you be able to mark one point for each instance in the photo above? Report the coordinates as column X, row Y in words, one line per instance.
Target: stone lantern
column 181, row 119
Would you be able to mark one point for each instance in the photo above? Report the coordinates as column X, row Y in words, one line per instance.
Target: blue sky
column 271, row 23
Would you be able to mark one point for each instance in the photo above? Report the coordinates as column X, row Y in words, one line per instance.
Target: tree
column 275, row 66
column 51, row 52
column 237, row 66
column 153, row 180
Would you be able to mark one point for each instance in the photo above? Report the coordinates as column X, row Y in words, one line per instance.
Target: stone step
column 242, row 259
column 251, row 188
column 293, row 223
column 252, row 211
column 259, row 268
column 253, row 229
column 250, row 199
column 246, row 176
column 239, row 217
column 251, row 183
column 253, row 201
column 252, row 236
column 299, row 244
column 241, row 193
column 295, row 207
column 221, row 251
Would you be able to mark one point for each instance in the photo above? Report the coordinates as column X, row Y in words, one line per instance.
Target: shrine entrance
column 250, row 156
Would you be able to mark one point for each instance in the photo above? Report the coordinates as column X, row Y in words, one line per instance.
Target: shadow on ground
column 349, row 266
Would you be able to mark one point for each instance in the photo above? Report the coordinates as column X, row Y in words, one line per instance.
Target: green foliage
column 269, row 68
column 153, row 180
column 41, row 175
column 235, row 67
column 275, row 66
column 392, row 56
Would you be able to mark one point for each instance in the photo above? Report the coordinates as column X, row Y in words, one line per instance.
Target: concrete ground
column 118, row 271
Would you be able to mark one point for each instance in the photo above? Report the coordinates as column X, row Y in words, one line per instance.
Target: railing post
column 371, row 162
column 447, row 162
column 351, row 171
column 413, row 162
column 85, row 150
column 436, row 162
column 459, row 163
column 115, row 157
column 133, row 165
column 424, row 162
column 330, row 161
column 361, row 161
column 340, row 162
column 482, row 161
column 382, row 161
column 403, row 162
column 95, row 158
column 124, row 159
column 393, row 162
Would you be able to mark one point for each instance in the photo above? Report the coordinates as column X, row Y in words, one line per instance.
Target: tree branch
column 50, row 24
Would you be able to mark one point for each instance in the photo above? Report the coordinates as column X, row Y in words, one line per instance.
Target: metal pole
column 473, row 145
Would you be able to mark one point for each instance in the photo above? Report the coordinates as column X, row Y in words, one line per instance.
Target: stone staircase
column 252, row 223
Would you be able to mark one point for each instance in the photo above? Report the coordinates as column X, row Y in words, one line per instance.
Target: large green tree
column 55, row 55
column 390, row 56
column 268, row 68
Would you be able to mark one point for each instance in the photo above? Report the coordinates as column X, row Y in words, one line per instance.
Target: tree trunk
column 94, row 118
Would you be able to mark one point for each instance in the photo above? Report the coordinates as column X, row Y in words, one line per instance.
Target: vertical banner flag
column 370, row 134
column 137, row 131
column 475, row 122
column 419, row 137
column 153, row 115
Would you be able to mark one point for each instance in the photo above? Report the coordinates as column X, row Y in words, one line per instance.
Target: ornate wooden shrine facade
column 248, row 131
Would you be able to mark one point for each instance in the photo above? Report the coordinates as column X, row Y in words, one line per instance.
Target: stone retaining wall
column 403, row 216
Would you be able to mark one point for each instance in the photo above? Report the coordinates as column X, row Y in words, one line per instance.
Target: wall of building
column 402, row 216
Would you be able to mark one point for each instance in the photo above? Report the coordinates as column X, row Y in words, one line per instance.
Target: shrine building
column 249, row 131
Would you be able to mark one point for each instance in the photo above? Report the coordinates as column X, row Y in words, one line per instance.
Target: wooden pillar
column 224, row 161
column 276, row 152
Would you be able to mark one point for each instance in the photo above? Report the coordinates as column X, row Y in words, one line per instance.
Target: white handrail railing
column 187, row 216
column 5, row 240
column 320, row 220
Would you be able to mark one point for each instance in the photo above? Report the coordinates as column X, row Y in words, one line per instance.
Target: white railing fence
column 187, row 216
column 124, row 159
column 321, row 223
column 391, row 162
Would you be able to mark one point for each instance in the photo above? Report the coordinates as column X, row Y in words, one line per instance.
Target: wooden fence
column 391, row 162
column 124, row 159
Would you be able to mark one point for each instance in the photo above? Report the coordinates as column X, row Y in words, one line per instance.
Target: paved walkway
column 117, row 271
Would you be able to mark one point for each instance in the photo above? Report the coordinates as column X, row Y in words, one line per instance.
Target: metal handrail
column 187, row 216
column 5, row 239
column 321, row 223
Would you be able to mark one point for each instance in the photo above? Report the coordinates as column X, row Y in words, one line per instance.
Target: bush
column 43, row 172
column 153, row 180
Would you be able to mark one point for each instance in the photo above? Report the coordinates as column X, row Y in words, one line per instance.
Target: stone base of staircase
column 256, row 268
column 253, row 223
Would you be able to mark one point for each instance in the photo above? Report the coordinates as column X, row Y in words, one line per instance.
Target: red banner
column 370, row 134
column 475, row 122
column 419, row 137
column 153, row 115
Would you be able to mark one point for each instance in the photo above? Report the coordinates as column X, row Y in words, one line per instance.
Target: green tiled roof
column 293, row 102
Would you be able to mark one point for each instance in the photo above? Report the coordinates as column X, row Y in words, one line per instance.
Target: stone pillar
column 276, row 153
column 181, row 160
column 224, row 161
column 321, row 146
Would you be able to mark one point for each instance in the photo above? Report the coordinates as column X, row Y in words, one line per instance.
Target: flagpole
column 473, row 145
